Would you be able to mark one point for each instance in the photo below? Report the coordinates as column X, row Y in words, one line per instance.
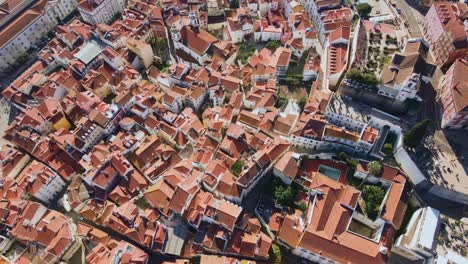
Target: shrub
column 241, row 46
column 352, row 164
column 388, row 148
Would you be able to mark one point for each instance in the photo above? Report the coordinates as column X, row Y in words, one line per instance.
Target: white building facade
column 419, row 241
column 94, row 13
column 18, row 45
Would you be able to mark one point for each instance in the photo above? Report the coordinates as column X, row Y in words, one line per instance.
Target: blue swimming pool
column 331, row 173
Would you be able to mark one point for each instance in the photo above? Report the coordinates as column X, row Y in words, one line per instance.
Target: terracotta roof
column 292, row 228
column 395, row 205
column 314, row 127
column 159, row 195
column 369, row 134
column 284, row 124
column 198, row 42
column 287, row 165
column 459, row 84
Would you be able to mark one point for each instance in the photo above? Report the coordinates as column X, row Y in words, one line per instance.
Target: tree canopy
column 280, row 102
column 373, row 197
column 237, row 167
column 343, row 156
column 233, row 4
column 414, row 136
column 364, row 78
column 364, row 9
column 374, row 167
column 284, row 195
column 275, row 254
column 301, row 103
column 273, row 45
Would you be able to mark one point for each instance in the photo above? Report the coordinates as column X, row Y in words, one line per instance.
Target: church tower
column 193, row 21
column 175, row 33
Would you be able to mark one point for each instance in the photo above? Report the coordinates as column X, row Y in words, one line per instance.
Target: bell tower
column 175, row 33
column 193, row 21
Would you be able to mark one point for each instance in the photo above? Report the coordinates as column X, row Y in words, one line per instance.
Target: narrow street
column 408, row 15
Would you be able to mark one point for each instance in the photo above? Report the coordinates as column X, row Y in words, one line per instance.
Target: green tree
column 343, row 156
column 237, row 167
column 301, row 206
column 374, row 167
column 373, row 197
column 281, row 102
column 284, row 195
column 352, row 164
column 275, row 254
column 414, row 136
column 159, row 43
column 273, row 45
column 365, row 78
column 364, row 9
column 301, row 103
column 233, row 4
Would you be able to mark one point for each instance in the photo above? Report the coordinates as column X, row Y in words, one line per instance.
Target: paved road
column 408, row 15
column 445, row 206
